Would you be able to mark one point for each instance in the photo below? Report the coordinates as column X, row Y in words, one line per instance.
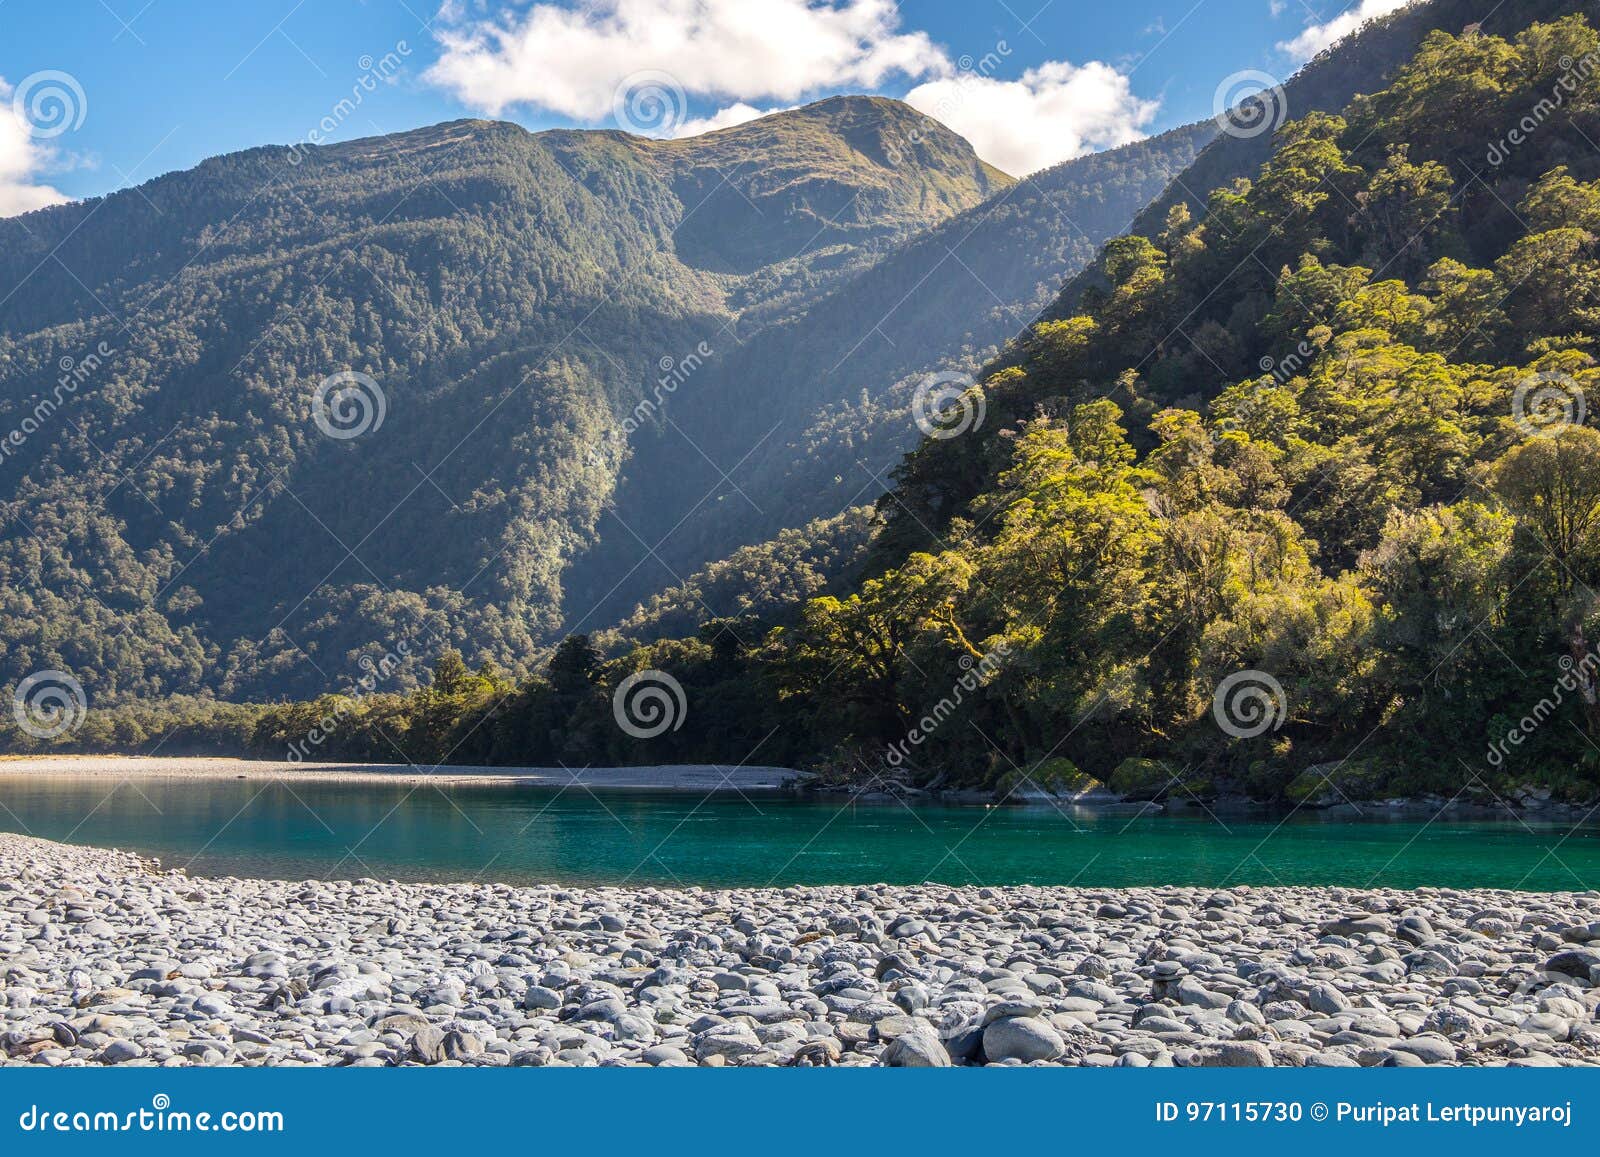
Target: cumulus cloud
column 572, row 60
column 21, row 158
column 1316, row 37
column 640, row 63
column 737, row 113
column 1050, row 114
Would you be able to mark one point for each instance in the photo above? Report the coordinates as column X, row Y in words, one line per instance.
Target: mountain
column 807, row 418
column 1303, row 504
column 177, row 520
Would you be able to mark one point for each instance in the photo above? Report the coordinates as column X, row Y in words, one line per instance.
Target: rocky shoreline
column 107, row 959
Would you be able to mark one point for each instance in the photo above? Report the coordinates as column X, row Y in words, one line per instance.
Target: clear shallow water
column 494, row 832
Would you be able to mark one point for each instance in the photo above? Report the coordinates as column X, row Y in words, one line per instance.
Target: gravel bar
column 109, row 959
column 692, row 778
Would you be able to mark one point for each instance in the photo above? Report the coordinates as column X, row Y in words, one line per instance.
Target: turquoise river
column 520, row 835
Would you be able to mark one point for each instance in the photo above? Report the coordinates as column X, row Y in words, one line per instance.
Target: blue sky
column 154, row 85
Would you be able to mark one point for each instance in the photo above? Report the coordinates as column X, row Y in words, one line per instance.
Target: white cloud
column 1316, row 37
column 724, row 118
column 21, row 157
column 1050, row 114
column 641, row 63
column 571, row 60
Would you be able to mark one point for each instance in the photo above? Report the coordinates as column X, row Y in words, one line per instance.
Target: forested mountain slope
column 1361, row 62
column 176, row 520
column 1305, row 504
column 807, row 418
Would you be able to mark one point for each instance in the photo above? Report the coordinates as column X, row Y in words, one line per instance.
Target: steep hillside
column 176, row 519
column 807, row 418
column 1361, row 62
column 1304, row 505
column 766, row 581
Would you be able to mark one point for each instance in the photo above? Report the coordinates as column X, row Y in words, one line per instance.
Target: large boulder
column 1022, row 1038
column 1583, row 963
column 918, row 1049
column 1142, row 779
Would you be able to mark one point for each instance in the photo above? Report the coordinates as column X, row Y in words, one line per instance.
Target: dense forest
column 568, row 333
column 176, row 522
column 1298, row 498
column 834, row 387
column 1334, row 432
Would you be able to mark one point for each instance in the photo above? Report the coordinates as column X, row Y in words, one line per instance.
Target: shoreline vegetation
column 732, row 780
column 113, row 960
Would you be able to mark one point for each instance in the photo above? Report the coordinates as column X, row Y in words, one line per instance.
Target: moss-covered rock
column 1349, row 781
column 1062, row 776
column 1141, row 779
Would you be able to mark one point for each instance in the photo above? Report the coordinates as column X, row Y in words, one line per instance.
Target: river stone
column 1238, row 1054
column 1360, row 924
column 1583, row 963
column 117, row 1051
column 487, row 974
column 920, row 1049
column 1021, row 1038
column 427, row 1045
column 1190, row 991
column 1433, row 1050
column 1547, row 1024
column 1325, row 998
